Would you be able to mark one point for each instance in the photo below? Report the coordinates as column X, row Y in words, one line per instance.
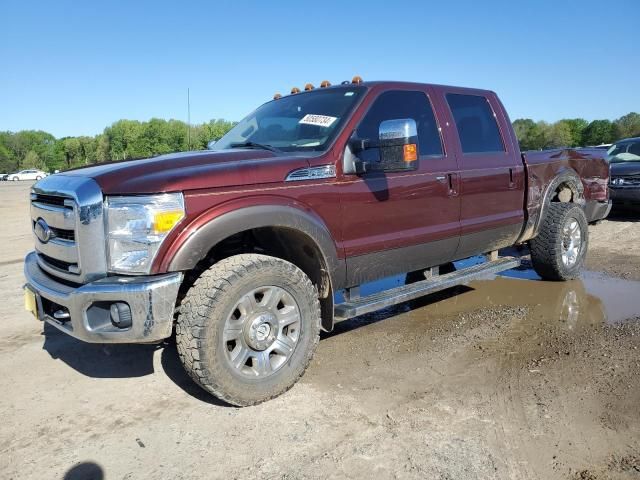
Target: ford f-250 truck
column 243, row 249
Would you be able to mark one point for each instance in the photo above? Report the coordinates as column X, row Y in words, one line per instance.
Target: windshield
column 624, row 152
column 301, row 122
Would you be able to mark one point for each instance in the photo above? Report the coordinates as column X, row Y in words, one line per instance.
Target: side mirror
column 211, row 144
column 398, row 142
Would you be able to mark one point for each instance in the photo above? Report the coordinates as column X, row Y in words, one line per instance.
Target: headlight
column 136, row 227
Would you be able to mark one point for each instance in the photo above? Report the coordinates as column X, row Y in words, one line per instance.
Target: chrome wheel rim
column 261, row 332
column 571, row 242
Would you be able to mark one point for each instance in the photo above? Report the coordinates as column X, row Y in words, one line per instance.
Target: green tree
column 628, row 125
column 576, row 128
column 72, row 149
column 214, row 130
column 102, row 148
column 122, row 135
column 88, row 147
column 525, row 129
column 559, row 134
column 7, row 161
column 33, row 160
column 599, row 132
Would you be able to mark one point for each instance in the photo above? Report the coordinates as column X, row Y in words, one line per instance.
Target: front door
column 394, row 222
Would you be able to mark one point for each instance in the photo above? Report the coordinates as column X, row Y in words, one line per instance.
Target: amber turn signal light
column 410, row 153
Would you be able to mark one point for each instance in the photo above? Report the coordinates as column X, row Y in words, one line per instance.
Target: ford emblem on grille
column 42, row 231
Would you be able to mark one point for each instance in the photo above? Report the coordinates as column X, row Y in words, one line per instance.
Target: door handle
column 512, row 183
column 451, row 181
column 453, row 184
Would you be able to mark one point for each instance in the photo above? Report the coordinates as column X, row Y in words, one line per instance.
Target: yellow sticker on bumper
column 30, row 303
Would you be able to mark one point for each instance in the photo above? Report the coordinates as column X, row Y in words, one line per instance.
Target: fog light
column 120, row 315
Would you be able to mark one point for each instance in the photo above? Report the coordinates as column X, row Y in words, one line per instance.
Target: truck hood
column 624, row 169
column 191, row 171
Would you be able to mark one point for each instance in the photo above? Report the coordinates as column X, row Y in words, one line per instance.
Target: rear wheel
column 248, row 327
column 15, row 179
column 559, row 250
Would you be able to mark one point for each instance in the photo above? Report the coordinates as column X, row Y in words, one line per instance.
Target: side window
column 634, row 149
column 397, row 104
column 476, row 124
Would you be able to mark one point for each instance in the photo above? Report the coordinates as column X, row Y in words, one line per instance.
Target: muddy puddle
column 470, row 340
column 594, row 299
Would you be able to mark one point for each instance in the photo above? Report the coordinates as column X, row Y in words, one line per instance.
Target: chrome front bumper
column 151, row 299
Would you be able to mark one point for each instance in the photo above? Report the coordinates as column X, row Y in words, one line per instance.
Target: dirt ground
column 511, row 378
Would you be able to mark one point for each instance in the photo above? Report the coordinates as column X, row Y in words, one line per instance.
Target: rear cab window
column 476, row 124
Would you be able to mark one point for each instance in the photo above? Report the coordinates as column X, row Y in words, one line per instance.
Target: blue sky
column 72, row 68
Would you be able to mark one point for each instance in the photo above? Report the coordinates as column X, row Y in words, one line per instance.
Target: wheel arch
column 566, row 186
column 566, row 181
column 282, row 231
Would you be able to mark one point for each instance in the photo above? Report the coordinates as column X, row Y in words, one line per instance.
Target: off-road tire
column 206, row 306
column 546, row 247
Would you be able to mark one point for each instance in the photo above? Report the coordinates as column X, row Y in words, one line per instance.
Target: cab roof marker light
column 325, row 84
column 295, row 90
column 356, row 80
column 308, row 87
column 277, row 96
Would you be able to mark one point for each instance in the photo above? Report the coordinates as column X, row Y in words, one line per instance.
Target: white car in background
column 26, row 175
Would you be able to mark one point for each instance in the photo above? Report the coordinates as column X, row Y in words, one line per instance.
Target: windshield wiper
column 263, row 146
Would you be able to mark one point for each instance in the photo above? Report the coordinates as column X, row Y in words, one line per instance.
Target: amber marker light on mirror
column 410, row 153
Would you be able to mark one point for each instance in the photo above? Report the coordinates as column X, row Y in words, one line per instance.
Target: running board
column 386, row 298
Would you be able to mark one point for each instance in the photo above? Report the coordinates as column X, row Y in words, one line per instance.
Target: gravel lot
column 508, row 378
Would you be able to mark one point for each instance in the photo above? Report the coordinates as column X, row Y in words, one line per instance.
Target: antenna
column 188, row 120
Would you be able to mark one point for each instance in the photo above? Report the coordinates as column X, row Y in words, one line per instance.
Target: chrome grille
column 48, row 199
column 63, row 234
column 68, row 229
column 632, row 181
column 60, row 233
column 59, row 264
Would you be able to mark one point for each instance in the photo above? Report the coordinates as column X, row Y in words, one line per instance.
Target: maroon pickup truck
column 244, row 248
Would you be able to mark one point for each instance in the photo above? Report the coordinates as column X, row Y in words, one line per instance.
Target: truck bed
column 547, row 170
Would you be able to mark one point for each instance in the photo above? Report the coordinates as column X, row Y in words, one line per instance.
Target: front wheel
column 248, row 327
column 559, row 250
column 15, row 179
column 38, row 177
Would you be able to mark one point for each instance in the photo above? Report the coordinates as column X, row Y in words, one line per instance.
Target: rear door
column 394, row 222
column 492, row 178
